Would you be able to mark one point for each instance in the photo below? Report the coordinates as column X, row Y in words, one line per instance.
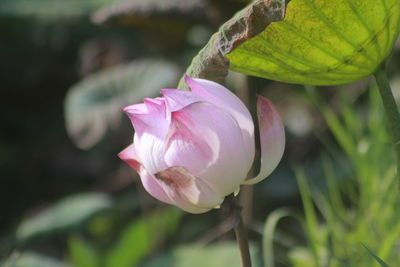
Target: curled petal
column 209, row 143
column 272, row 138
column 129, row 156
column 220, row 96
column 151, row 185
column 137, row 108
column 188, row 192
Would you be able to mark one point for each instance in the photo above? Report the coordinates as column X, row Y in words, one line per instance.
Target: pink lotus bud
column 193, row 148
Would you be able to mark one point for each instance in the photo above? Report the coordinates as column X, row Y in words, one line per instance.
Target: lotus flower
column 193, row 148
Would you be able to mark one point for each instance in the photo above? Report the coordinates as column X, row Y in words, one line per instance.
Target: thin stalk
column 243, row 243
column 247, row 94
column 391, row 111
column 240, row 231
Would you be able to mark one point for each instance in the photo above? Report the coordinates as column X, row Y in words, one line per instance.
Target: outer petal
column 129, row 156
column 209, row 143
column 150, row 184
column 151, row 127
column 150, row 117
column 178, row 99
column 222, row 97
column 272, row 138
column 188, row 192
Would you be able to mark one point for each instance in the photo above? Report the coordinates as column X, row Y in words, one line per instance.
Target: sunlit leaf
column 69, row 213
column 31, row 259
column 95, row 104
column 322, row 42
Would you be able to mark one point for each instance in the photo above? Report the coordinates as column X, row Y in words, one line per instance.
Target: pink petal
column 186, row 149
column 178, row 99
column 272, row 138
column 149, row 117
column 153, row 187
column 188, row 192
column 209, row 143
column 130, row 156
column 137, row 108
column 151, row 129
column 222, row 97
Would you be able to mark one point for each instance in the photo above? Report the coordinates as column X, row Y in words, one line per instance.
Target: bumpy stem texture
column 392, row 112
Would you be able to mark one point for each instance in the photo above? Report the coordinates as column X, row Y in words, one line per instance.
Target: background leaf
column 95, row 104
column 141, row 236
column 152, row 11
column 378, row 260
column 71, row 212
column 50, row 9
column 81, row 253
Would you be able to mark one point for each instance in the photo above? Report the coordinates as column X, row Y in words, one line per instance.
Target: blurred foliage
column 50, row 9
column 136, row 241
column 69, row 213
column 30, row 259
column 223, row 254
column 131, row 12
column 95, row 103
column 358, row 205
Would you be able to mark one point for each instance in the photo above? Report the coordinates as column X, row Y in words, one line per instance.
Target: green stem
column 392, row 112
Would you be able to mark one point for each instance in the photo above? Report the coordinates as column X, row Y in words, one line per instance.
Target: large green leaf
column 322, row 42
column 69, row 213
column 94, row 104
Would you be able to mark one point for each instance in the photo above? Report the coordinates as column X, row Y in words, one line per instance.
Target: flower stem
column 392, row 112
column 240, row 231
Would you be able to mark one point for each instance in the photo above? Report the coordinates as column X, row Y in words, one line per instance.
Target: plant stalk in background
column 391, row 111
